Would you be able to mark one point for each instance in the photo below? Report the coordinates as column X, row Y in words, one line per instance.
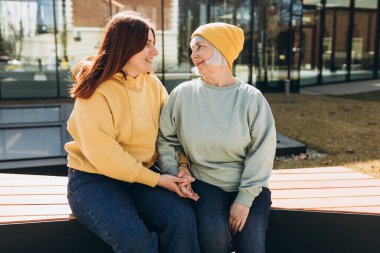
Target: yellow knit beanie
column 228, row 39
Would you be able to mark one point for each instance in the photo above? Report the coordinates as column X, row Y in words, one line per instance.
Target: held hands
column 238, row 217
column 186, row 186
column 171, row 183
column 180, row 184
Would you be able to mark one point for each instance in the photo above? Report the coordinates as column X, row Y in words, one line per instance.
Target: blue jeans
column 213, row 209
column 133, row 217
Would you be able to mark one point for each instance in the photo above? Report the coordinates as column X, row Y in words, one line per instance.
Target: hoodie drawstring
column 131, row 111
column 151, row 106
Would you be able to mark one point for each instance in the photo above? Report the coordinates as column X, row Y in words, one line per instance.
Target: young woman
column 114, row 186
column 226, row 129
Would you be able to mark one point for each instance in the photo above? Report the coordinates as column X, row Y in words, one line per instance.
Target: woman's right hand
column 171, row 183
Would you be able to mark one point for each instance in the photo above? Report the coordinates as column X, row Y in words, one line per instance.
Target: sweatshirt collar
column 213, row 87
column 128, row 79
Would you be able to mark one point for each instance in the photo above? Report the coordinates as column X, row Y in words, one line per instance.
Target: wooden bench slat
column 27, row 176
column 327, row 202
column 329, row 192
column 28, row 210
column 33, row 182
column 33, row 200
column 371, row 182
column 33, row 190
column 317, row 177
column 35, row 218
column 312, row 170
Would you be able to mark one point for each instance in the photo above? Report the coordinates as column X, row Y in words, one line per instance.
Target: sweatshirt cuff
column 148, row 177
column 173, row 171
column 183, row 159
column 246, row 198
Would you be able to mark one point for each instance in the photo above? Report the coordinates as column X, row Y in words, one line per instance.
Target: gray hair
column 217, row 59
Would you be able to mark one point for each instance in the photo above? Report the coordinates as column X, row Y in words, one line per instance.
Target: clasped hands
column 238, row 212
column 181, row 184
column 185, row 187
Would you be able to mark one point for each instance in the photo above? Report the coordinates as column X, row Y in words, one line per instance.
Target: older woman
column 227, row 130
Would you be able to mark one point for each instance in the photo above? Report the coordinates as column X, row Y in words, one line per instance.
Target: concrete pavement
column 342, row 88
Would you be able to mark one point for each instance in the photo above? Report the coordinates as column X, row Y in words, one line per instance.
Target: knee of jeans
column 215, row 241
column 183, row 214
column 216, row 235
column 135, row 244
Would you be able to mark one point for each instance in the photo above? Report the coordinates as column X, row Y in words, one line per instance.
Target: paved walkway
column 343, row 88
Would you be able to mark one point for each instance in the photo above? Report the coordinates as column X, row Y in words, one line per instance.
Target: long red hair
column 125, row 35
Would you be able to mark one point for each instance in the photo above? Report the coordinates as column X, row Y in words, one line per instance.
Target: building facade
column 309, row 42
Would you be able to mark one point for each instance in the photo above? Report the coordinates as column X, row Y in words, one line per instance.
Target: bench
column 321, row 210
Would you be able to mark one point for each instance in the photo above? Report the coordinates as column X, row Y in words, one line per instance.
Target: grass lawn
column 346, row 128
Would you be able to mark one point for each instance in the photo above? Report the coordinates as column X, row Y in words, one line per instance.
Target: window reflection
column 297, row 41
column 363, row 44
column 237, row 13
column 29, row 115
column 26, row 143
column 27, row 67
column 335, row 41
column 310, row 42
column 186, row 16
column 338, row 38
column 271, row 41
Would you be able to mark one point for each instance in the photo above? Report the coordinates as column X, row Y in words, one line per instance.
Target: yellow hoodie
column 115, row 130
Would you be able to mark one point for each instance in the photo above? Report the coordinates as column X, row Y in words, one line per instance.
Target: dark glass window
column 335, row 41
column 310, row 38
column 27, row 50
column 185, row 17
column 363, row 40
column 237, row 13
column 271, row 42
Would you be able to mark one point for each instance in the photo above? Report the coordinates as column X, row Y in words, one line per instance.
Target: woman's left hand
column 238, row 217
column 186, row 188
column 184, row 172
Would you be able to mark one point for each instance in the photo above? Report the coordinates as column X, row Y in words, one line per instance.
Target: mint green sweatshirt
column 228, row 134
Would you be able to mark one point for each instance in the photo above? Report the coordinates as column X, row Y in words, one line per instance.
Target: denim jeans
column 133, row 217
column 213, row 209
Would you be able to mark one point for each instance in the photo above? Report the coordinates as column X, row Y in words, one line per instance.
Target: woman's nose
column 154, row 51
column 193, row 54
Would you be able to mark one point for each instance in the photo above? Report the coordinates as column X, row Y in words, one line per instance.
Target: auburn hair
column 125, row 35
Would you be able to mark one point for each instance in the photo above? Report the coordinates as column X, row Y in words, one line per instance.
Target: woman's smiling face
column 142, row 61
column 201, row 52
